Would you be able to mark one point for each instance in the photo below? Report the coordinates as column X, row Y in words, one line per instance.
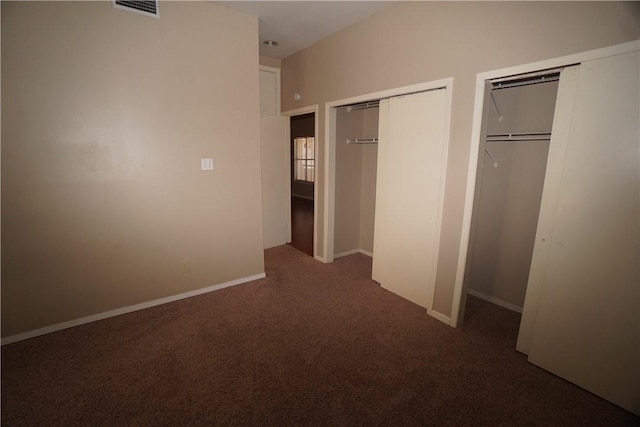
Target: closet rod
column 525, row 81
column 363, row 105
column 362, row 141
column 529, row 136
column 376, row 103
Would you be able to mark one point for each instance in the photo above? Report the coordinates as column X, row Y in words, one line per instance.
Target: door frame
column 459, row 293
column 299, row 112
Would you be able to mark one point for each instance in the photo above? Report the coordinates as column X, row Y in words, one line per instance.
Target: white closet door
column 409, row 192
column 587, row 328
column 276, row 184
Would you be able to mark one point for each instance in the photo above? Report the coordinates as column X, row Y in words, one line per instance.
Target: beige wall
column 368, row 180
column 270, row 62
column 105, row 116
column 416, row 42
column 276, row 193
column 348, row 180
column 507, row 216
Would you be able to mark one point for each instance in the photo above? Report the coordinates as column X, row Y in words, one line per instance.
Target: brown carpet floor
column 311, row 344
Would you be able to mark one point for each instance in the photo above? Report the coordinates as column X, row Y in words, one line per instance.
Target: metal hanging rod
column 529, row 136
column 376, row 103
column 362, row 141
column 525, row 81
column 363, row 105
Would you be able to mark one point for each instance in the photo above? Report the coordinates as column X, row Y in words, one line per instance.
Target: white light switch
column 206, row 164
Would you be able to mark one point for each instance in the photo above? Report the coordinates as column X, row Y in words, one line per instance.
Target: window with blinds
column 304, row 159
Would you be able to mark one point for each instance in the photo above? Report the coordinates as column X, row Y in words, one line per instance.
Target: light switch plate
column 206, row 164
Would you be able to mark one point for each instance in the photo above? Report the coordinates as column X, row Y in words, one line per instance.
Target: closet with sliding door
column 518, row 117
column 390, row 167
column 554, row 224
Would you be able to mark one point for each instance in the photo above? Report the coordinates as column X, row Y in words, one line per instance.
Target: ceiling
column 299, row 24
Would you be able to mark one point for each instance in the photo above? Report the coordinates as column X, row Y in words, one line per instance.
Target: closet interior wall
column 355, row 189
column 509, row 190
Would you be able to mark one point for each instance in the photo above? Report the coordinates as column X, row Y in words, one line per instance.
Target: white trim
column 353, row 251
column 404, row 90
column 440, row 206
column 302, row 110
column 494, row 300
column 367, row 253
column 330, row 118
column 287, row 178
column 276, row 71
column 297, row 112
column 468, row 201
column 124, row 310
column 563, row 61
column 345, row 253
column 330, row 146
column 439, row 316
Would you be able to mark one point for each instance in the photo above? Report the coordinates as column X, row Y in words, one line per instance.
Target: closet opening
column 303, row 177
column 355, row 174
column 518, row 114
column 386, row 159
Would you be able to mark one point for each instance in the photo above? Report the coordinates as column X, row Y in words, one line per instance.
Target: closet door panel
column 587, row 328
column 409, row 191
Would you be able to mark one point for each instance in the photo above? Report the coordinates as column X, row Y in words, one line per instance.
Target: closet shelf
column 530, row 136
column 362, row 141
column 363, row 105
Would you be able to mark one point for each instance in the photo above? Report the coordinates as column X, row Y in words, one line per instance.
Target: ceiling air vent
column 149, row 8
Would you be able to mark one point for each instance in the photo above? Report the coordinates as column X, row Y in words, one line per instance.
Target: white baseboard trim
column 353, row 251
column 124, row 310
column 439, row 316
column 345, row 253
column 321, row 259
column 495, row 301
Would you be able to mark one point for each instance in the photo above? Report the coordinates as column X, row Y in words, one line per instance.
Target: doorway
column 303, row 177
column 517, row 121
column 356, row 174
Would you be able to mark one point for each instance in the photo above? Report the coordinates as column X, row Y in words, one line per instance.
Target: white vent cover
column 149, row 8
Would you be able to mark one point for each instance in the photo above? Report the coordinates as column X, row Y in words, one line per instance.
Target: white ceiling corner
column 296, row 25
